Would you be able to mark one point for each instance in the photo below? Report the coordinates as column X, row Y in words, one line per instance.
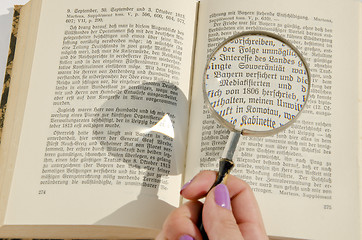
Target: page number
column 327, row 207
column 42, row 192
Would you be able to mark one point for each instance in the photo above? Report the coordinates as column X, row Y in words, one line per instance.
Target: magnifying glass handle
column 226, row 164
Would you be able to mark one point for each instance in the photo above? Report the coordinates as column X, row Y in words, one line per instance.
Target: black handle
column 225, row 166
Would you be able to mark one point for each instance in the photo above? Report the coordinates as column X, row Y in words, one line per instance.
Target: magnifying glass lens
column 256, row 83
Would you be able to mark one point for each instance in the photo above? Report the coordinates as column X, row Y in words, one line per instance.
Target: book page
column 10, row 133
column 305, row 178
column 105, row 123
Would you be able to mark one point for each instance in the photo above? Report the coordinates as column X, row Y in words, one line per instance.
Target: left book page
column 99, row 116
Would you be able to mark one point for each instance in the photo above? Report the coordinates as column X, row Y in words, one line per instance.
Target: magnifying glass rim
column 229, row 125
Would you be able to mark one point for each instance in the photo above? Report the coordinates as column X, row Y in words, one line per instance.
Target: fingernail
column 185, row 186
column 222, row 197
column 186, row 237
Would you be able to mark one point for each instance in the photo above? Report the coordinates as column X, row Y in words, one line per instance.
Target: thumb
column 218, row 218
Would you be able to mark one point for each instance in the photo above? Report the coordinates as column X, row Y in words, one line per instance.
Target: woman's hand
column 230, row 211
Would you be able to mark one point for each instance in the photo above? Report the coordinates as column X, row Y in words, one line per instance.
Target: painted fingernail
column 186, row 237
column 185, row 186
column 222, row 196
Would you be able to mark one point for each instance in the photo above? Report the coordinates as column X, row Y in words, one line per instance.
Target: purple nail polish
column 222, row 197
column 186, row 184
column 186, row 237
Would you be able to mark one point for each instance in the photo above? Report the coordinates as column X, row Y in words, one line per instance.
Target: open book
column 106, row 119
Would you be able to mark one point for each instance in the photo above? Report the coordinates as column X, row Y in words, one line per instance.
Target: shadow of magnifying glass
column 143, row 134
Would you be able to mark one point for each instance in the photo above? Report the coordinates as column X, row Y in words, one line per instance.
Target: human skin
column 230, row 211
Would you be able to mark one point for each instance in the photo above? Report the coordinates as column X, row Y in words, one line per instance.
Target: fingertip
column 185, row 186
column 199, row 185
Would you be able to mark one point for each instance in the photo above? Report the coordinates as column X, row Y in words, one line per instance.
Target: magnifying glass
column 255, row 84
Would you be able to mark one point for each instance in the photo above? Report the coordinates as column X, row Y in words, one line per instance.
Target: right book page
column 305, row 178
